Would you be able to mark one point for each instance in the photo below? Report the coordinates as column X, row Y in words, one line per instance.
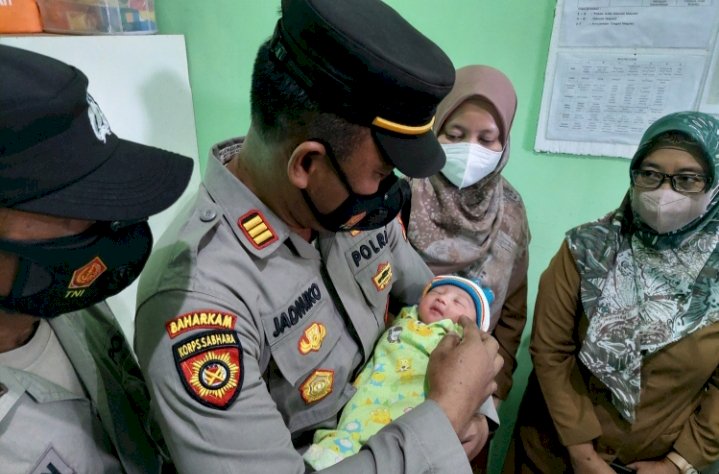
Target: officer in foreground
column 267, row 295
column 74, row 202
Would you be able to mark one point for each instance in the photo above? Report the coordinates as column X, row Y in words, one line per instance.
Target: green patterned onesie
column 391, row 384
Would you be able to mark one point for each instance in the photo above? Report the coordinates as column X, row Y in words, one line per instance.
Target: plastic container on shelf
column 19, row 16
column 98, row 17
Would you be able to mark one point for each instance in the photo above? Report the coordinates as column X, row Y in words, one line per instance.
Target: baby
column 393, row 381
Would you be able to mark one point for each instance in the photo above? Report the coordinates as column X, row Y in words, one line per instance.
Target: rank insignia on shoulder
column 210, row 367
column 312, row 338
column 383, row 277
column 257, row 230
column 317, row 386
column 200, row 319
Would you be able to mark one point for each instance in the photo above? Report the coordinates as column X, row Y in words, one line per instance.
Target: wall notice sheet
column 615, row 66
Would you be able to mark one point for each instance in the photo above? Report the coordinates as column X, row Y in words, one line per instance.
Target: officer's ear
column 304, row 162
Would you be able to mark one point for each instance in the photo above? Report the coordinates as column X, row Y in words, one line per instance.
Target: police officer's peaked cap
column 361, row 60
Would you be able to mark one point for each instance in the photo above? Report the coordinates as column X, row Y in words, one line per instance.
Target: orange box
column 19, row 16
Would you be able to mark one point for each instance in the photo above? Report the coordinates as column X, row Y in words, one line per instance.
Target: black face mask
column 362, row 212
column 57, row 276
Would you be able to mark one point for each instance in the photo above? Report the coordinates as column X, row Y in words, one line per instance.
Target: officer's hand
column 461, row 373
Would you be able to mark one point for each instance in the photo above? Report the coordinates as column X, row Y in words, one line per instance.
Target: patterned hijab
column 643, row 291
column 458, row 231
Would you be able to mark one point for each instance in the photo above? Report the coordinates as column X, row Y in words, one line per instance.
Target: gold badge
column 317, row 386
column 257, row 229
column 383, row 277
column 312, row 339
column 87, row 274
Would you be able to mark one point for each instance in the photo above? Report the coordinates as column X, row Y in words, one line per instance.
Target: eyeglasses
column 681, row 183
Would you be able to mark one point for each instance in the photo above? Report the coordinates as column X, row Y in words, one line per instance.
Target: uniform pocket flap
column 302, row 332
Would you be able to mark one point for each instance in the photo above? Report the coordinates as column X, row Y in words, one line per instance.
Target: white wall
column 142, row 85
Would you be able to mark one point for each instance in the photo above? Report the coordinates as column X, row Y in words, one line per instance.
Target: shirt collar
column 259, row 229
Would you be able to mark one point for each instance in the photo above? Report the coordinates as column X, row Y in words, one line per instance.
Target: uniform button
column 207, row 215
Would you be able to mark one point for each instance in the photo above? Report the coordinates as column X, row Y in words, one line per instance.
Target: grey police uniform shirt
column 45, row 428
column 250, row 337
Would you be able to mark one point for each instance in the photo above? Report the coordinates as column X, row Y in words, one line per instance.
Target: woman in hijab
column 468, row 220
column 625, row 342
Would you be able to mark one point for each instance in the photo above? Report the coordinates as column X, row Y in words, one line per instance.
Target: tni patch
column 210, row 367
column 86, row 275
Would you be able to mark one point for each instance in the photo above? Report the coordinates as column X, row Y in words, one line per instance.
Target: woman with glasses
column 625, row 341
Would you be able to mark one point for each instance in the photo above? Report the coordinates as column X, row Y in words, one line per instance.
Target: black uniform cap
column 361, row 60
column 58, row 155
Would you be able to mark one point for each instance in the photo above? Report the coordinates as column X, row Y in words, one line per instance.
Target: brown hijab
column 479, row 231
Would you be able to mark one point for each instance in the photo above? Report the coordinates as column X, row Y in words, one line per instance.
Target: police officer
column 74, row 199
column 267, row 295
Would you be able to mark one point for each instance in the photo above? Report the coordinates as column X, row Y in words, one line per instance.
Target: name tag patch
column 210, row 367
column 369, row 248
column 297, row 309
column 202, row 319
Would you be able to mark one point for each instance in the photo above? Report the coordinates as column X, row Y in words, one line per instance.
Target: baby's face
column 446, row 302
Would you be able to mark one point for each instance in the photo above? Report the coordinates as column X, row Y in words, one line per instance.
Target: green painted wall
column 560, row 191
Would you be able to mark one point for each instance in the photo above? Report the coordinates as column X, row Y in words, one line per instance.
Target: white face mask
column 666, row 210
column 468, row 163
